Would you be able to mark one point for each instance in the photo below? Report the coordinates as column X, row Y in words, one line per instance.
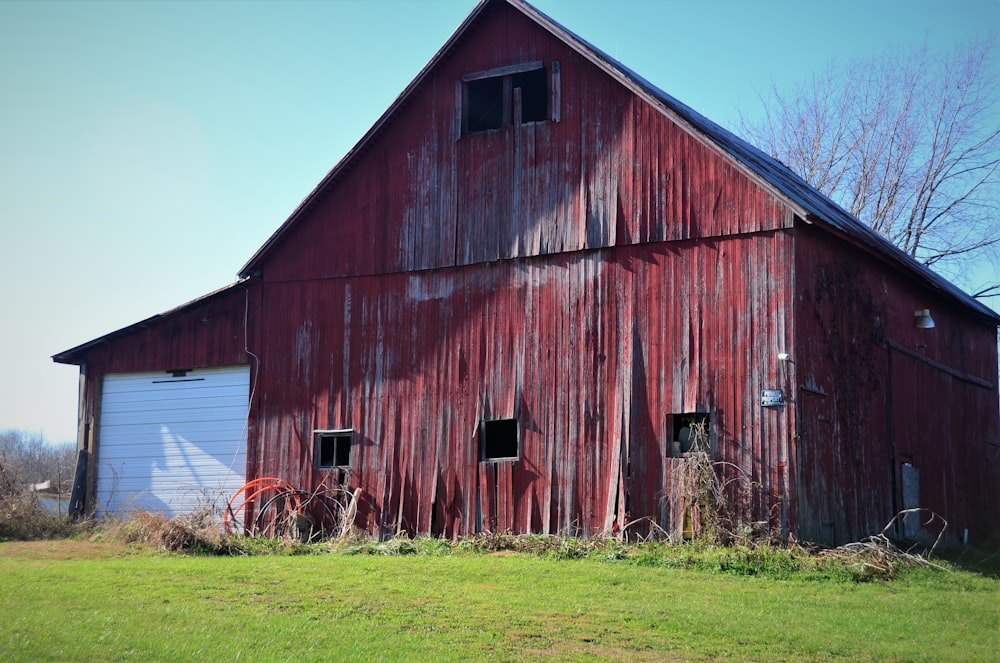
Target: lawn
column 83, row 601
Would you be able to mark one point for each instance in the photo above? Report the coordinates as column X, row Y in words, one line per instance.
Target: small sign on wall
column 772, row 398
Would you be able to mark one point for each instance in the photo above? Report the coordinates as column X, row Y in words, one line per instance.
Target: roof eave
column 77, row 355
column 908, row 264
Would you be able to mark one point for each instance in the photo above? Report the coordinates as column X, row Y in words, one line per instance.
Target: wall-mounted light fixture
column 922, row 318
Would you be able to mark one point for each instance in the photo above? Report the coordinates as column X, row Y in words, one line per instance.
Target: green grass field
column 85, row 601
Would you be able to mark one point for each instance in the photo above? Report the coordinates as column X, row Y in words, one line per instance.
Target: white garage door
column 170, row 442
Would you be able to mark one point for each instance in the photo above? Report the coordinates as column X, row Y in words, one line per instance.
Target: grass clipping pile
column 198, row 532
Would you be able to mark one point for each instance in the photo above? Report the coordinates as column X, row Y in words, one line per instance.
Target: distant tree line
column 27, row 459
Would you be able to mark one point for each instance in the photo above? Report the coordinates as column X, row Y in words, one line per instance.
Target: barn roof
column 805, row 200
column 78, row 354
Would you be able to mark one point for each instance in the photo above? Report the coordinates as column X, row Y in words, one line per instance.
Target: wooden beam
column 954, row 372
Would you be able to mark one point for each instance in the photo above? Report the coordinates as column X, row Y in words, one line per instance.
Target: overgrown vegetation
column 23, row 516
column 31, row 469
column 876, row 559
column 201, row 532
column 714, row 497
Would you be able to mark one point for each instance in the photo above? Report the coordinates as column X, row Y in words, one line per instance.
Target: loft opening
column 333, row 448
column 507, row 96
column 498, row 440
column 689, row 433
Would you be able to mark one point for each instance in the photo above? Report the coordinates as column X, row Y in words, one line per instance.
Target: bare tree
column 908, row 142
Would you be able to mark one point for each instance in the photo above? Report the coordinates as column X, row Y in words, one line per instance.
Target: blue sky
column 147, row 149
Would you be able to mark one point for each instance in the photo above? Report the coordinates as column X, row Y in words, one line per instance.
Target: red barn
column 510, row 303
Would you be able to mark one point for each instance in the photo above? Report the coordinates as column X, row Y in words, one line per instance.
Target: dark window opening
column 690, row 433
column 534, row 95
column 485, row 104
column 499, row 439
column 490, row 101
column 333, row 449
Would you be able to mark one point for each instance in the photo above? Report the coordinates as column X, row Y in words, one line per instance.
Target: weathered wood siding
column 590, row 351
column 877, row 392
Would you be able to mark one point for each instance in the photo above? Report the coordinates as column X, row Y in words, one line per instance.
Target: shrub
column 23, row 517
